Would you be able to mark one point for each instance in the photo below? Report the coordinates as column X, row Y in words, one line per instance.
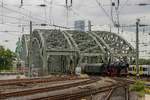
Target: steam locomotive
column 111, row 69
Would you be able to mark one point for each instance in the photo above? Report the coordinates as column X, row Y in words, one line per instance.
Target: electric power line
column 123, row 5
column 35, row 18
column 100, row 5
column 14, row 17
column 25, row 10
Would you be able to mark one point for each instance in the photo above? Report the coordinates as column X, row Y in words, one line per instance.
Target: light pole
column 29, row 53
column 137, row 47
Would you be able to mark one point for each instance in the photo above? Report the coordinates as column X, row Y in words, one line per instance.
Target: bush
column 138, row 87
column 143, row 62
column 6, row 59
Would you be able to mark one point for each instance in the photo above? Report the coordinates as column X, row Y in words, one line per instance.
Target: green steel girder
column 78, row 46
column 117, row 44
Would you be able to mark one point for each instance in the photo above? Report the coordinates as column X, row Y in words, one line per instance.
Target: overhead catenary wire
column 45, row 12
column 11, row 24
column 15, row 11
column 108, row 16
column 51, row 4
column 68, row 6
column 71, row 9
column 10, row 33
column 32, row 18
column 15, row 18
column 21, row 3
column 122, row 6
column 51, row 20
column 100, row 5
column 2, row 11
column 75, row 12
column 26, row 10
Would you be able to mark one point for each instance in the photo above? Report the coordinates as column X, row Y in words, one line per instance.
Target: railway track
column 109, row 94
column 78, row 95
column 85, row 93
column 46, row 89
column 123, row 80
column 35, row 80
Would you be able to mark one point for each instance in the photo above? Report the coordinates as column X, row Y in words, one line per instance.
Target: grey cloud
column 85, row 9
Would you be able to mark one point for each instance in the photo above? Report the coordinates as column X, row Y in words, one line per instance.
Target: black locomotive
column 111, row 69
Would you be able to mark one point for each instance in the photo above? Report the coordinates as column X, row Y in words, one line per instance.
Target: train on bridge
column 61, row 51
column 119, row 68
column 110, row 69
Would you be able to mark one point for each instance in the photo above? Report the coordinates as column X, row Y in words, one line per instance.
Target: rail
column 35, row 80
column 46, row 89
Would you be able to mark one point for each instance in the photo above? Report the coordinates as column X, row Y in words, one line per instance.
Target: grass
column 138, row 87
column 9, row 69
column 147, row 90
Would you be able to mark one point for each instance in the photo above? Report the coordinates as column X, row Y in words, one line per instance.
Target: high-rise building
column 79, row 25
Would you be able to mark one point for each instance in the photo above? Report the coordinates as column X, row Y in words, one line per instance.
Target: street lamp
column 137, row 47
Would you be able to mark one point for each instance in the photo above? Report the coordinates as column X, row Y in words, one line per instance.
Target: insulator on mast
column 71, row 2
column 118, row 3
column 66, row 3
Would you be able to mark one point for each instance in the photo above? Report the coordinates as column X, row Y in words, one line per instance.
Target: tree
column 6, row 58
column 18, row 48
column 143, row 62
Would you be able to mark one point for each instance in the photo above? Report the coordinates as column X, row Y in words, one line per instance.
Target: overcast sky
column 56, row 13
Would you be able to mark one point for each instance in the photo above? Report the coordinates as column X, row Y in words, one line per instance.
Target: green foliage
column 144, row 62
column 6, row 58
column 138, row 87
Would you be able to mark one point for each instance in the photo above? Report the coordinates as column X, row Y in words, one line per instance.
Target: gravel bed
column 101, row 83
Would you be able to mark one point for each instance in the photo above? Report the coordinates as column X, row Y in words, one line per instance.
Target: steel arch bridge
column 25, row 46
column 56, row 51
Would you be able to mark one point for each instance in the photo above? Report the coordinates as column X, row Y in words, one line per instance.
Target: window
column 144, row 69
column 130, row 69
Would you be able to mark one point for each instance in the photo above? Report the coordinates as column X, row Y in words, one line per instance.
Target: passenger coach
column 143, row 70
